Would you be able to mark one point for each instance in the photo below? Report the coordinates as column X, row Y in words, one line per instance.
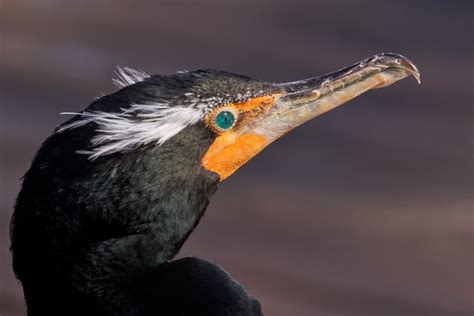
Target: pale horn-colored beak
column 303, row 100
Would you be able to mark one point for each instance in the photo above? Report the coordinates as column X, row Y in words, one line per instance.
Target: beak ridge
column 305, row 99
column 378, row 71
column 377, row 63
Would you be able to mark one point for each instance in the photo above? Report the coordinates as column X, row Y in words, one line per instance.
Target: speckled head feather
column 154, row 109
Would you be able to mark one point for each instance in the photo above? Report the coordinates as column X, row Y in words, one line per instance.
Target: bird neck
column 92, row 227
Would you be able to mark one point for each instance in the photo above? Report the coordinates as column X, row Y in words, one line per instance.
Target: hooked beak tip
column 396, row 61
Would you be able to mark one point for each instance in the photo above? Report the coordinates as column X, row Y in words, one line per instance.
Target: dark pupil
column 225, row 120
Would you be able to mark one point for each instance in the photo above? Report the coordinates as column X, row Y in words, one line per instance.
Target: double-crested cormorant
column 113, row 194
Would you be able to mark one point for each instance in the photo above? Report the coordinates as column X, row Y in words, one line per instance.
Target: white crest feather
column 139, row 125
column 127, row 76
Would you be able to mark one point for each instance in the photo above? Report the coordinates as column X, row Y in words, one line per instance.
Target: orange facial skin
column 231, row 149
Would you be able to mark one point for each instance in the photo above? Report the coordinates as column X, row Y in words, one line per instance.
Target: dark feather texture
column 88, row 236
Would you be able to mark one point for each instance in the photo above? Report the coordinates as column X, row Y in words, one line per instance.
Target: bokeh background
column 366, row 210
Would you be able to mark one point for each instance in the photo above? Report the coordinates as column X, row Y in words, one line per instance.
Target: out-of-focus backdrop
column 366, row 210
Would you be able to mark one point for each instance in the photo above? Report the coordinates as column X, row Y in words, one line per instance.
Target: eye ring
column 224, row 119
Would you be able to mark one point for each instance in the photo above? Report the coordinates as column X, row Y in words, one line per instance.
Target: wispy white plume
column 139, row 125
column 127, row 76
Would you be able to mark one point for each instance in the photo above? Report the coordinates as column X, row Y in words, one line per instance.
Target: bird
column 114, row 192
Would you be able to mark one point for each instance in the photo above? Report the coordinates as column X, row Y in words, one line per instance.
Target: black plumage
column 83, row 230
column 94, row 229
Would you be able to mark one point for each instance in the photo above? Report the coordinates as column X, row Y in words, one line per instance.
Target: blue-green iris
column 225, row 120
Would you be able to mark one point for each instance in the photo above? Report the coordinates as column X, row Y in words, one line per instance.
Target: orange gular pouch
column 229, row 152
column 232, row 148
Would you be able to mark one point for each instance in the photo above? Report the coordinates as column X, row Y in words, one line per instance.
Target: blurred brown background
column 364, row 211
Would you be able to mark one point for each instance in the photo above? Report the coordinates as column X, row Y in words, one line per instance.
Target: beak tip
column 417, row 75
column 399, row 61
column 411, row 67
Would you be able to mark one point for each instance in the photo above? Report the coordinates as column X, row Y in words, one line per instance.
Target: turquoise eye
column 225, row 120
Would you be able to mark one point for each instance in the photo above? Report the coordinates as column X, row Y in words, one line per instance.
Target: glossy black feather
column 95, row 236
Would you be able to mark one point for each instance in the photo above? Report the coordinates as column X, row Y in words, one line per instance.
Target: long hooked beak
column 299, row 101
column 305, row 99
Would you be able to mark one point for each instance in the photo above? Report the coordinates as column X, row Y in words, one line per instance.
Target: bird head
column 118, row 188
column 113, row 194
column 241, row 115
column 150, row 156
